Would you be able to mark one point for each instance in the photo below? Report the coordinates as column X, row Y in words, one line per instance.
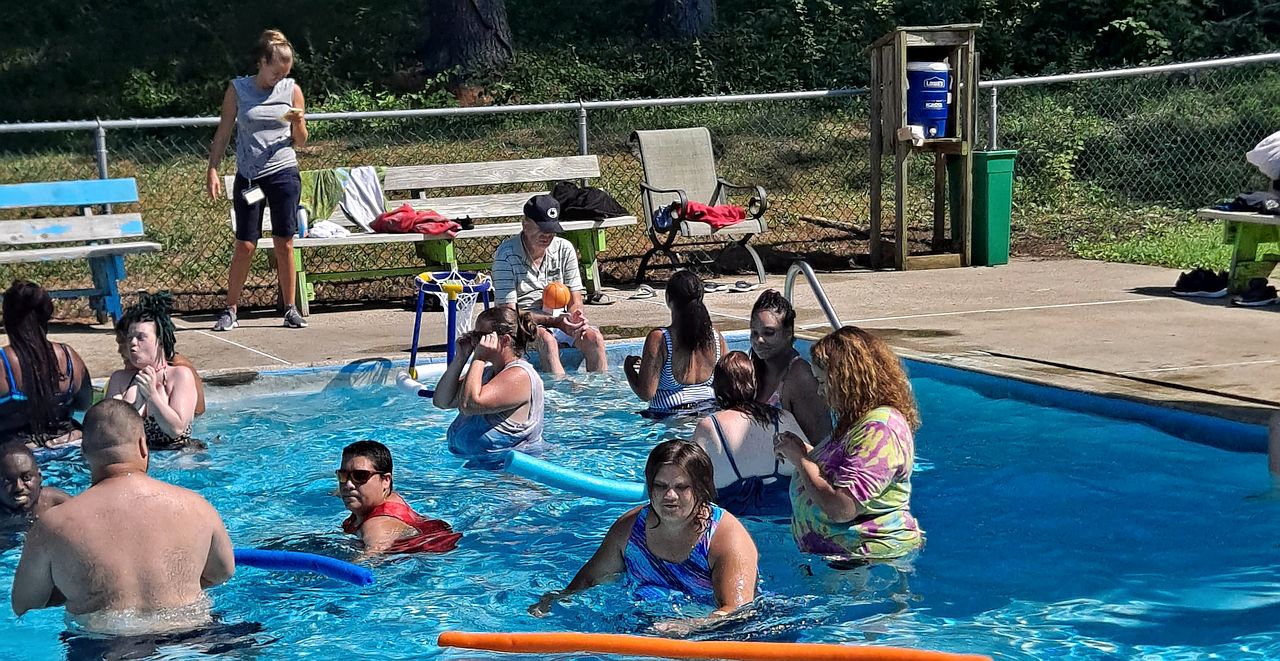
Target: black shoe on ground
column 1201, row 283
column 1257, row 294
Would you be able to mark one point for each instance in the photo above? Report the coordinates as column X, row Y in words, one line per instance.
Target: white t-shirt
column 516, row 281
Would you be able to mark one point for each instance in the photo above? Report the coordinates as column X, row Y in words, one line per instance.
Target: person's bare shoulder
column 55, row 495
column 731, row 536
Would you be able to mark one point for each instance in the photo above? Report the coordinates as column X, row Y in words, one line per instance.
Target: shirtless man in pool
column 130, row 548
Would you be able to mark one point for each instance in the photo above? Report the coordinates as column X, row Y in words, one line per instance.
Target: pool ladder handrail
column 798, row 267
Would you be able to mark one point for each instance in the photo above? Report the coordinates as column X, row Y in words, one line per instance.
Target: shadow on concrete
column 1224, row 302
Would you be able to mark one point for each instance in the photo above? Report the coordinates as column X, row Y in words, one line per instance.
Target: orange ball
column 555, row 296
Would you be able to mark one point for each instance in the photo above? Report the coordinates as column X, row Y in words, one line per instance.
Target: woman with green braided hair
column 164, row 393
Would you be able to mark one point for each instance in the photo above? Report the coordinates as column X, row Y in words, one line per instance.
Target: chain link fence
column 1091, row 153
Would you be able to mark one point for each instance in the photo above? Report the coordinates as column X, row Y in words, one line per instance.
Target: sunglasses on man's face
column 357, row 477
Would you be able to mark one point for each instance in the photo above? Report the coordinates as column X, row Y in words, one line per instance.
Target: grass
column 1181, row 246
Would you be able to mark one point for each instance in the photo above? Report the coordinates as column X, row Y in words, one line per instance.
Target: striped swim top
column 675, row 396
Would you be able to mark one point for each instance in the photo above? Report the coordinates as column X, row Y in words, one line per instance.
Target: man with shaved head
column 131, row 554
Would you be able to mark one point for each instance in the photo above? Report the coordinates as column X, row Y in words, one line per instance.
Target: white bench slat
column 500, row 205
column 76, row 252
column 480, row 231
column 1239, row 216
column 71, row 228
column 490, row 172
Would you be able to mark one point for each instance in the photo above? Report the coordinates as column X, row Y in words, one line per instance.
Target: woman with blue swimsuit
column 44, row 383
column 679, row 542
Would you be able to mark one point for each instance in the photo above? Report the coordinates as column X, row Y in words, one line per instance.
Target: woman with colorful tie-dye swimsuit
column 851, row 493
column 872, row 463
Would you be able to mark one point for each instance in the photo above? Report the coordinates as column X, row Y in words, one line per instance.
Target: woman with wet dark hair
column 44, row 383
column 164, row 393
column 673, row 374
column 784, row 379
column 681, row 520
column 750, row 479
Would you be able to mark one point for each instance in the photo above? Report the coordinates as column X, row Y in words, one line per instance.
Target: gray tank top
column 531, row 428
column 264, row 141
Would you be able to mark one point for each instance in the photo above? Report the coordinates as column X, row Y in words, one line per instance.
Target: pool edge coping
column 1187, row 420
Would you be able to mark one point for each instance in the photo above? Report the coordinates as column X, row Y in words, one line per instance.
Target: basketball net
column 466, row 300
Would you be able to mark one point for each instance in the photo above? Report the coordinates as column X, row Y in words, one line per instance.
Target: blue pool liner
column 552, row 475
column 1196, row 427
column 310, row 562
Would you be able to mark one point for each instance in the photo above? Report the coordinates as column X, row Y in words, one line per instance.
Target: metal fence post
column 582, row 134
column 582, row 129
column 100, row 153
column 992, row 120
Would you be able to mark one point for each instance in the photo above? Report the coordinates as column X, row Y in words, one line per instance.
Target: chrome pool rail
column 799, row 267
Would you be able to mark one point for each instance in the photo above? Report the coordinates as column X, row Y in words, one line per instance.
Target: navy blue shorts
column 282, row 190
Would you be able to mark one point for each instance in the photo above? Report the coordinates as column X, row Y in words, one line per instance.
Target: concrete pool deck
column 1105, row 328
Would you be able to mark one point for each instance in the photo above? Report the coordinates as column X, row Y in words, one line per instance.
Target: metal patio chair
column 679, row 167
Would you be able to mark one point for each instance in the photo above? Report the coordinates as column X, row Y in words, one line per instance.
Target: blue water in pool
column 1050, row 533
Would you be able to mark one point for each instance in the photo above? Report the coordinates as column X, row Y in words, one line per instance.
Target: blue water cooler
column 929, row 97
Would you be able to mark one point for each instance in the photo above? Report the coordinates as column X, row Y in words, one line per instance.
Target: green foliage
column 1182, row 246
column 1051, row 135
column 175, row 57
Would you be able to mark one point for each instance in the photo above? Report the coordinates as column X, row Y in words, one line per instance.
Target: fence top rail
column 1132, row 72
column 170, row 122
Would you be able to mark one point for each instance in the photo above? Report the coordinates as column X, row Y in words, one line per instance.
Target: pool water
column 1050, row 533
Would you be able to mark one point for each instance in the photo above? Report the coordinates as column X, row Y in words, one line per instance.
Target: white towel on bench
column 362, row 198
column 327, row 229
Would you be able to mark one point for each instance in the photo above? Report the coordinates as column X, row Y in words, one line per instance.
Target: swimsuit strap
column 668, row 375
column 776, row 415
column 71, row 375
column 724, row 445
column 14, row 393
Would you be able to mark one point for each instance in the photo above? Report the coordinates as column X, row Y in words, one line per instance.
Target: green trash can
column 992, row 203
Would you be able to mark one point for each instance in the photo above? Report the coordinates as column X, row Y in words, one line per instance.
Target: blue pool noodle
column 552, row 475
column 297, row 561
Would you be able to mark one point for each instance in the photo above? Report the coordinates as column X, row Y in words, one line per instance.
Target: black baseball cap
column 544, row 210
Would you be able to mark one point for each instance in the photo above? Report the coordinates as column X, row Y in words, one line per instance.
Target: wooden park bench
column 438, row 252
column 96, row 238
column 1244, row 231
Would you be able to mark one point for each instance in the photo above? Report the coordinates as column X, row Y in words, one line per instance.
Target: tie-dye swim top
column 652, row 574
column 872, row 463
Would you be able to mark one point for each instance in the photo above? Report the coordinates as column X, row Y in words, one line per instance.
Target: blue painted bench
column 98, row 238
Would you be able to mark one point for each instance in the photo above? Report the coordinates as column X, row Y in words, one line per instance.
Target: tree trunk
column 683, row 18
column 471, row 35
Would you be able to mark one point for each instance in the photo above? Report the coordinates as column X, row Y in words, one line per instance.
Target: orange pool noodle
column 607, row 643
column 555, row 296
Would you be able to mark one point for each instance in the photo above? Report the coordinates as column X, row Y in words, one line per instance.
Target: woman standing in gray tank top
column 266, row 111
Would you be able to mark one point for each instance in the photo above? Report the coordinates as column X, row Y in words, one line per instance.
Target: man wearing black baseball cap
column 525, row 264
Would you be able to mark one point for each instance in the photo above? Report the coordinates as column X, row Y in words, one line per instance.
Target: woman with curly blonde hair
column 851, row 492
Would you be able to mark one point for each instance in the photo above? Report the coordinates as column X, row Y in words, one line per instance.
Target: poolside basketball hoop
column 457, row 291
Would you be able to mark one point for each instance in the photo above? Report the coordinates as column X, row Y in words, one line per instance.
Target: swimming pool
column 1050, row 533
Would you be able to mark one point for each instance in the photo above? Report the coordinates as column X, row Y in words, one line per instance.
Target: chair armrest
column 684, row 199
column 756, row 206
